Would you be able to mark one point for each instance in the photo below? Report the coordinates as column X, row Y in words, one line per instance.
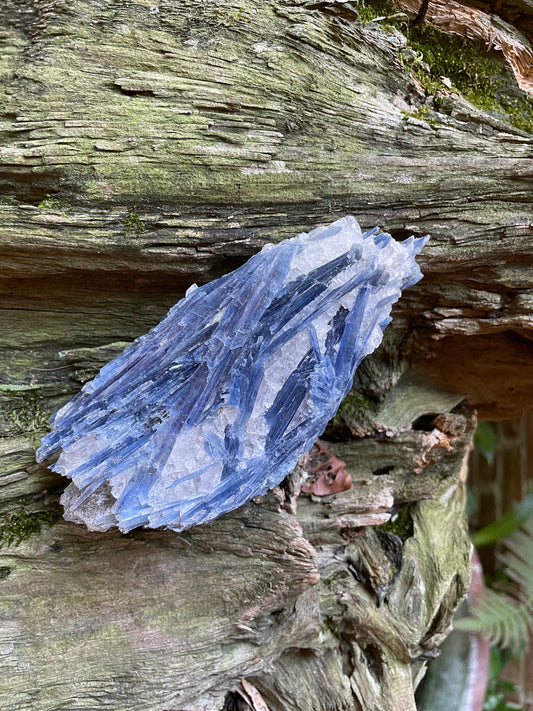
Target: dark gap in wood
column 373, row 661
column 383, row 470
column 234, row 702
column 424, row 423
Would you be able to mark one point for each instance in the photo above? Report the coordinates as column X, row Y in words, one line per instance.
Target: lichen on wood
column 145, row 147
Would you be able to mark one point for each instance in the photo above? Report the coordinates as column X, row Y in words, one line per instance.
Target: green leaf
column 499, row 617
column 485, row 440
column 505, row 525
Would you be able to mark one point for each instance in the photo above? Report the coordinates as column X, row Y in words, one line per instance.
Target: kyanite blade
column 217, row 403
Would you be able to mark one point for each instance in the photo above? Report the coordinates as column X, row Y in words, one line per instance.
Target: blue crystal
column 217, row 403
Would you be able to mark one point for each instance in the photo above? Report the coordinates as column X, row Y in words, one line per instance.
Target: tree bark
column 146, row 147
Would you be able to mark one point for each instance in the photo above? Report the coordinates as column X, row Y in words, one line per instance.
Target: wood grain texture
column 153, row 620
column 176, row 141
column 147, row 146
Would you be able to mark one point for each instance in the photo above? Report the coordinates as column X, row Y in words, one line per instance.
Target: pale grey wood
column 174, row 140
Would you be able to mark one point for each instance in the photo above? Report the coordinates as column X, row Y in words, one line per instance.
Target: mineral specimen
column 217, row 403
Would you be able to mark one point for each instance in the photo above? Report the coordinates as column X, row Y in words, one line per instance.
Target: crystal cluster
column 217, row 403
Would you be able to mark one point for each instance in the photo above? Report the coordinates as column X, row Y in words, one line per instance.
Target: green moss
column 30, row 415
column 53, row 202
column 18, row 522
column 401, row 526
column 226, row 19
column 351, row 409
column 442, row 61
column 339, row 575
column 384, row 12
column 484, row 80
column 423, row 114
column 520, row 112
column 133, row 223
column 454, row 57
column 331, row 623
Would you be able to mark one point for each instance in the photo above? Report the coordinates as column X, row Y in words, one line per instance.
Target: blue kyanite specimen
column 218, row 402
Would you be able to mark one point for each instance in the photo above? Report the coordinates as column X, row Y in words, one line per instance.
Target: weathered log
column 146, row 147
column 157, row 620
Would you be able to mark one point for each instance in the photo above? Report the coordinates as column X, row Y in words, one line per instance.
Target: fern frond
column 518, row 558
column 499, row 619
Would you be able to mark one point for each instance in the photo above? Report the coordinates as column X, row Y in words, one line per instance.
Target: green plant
column 133, row 223
column 31, row 415
column 19, row 523
column 400, row 525
column 505, row 525
column 384, row 12
column 423, row 114
column 497, row 687
column 485, row 441
column 443, row 61
column 226, row 18
column 53, row 202
column 507, row 618
column 484, row 80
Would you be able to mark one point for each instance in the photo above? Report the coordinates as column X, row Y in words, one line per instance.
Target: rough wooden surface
column 152, row 620
column 175, row 141
column 156, row 620
column 146, row 146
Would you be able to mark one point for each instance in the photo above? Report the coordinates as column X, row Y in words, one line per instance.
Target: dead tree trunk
column 146, row 147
